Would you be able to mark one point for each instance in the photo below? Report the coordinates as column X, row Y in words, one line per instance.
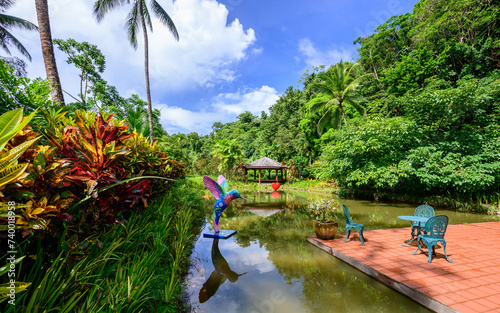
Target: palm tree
column 139, row 14
column 42, row 12
column 7, row 22
column 337, row 87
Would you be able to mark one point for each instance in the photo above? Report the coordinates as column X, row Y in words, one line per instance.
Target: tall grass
column 136, row 267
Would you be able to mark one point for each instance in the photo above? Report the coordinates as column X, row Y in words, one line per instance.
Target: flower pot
column 325, row 230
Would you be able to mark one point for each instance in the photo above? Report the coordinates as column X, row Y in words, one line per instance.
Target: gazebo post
column 269, row 165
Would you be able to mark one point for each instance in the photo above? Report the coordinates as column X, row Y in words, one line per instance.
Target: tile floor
column 470, row 284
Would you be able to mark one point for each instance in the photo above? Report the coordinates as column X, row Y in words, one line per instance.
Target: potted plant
column 325, row 220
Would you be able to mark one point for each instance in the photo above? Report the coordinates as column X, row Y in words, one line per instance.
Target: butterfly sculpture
column 222, row 195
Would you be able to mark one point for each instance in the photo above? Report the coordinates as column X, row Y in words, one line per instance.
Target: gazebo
column 269, row 165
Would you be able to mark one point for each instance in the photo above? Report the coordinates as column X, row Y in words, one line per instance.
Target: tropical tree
column 42, row 12
column 6, row 23
column 21, row 92
column 88, row 59
column 230, row 152
column 139, row 14
column 336, row 88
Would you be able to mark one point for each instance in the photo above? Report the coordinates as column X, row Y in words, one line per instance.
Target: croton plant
column 85, row 157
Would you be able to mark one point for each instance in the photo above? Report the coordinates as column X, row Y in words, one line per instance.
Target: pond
column 268, row 267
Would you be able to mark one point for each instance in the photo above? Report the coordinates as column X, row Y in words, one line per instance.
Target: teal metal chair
column 349, row 225
column 435, row 228
column 423, row 211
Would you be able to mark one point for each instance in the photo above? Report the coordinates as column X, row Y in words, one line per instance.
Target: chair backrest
column 436, row 226
column 347, row 214
column 424, row 211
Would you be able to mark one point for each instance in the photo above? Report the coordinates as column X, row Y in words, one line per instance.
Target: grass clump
column 136, row 266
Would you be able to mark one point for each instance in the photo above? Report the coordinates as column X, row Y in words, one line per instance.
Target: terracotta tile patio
column 470, row 284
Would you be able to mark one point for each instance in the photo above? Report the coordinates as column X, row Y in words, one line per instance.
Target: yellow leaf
column 37, row 211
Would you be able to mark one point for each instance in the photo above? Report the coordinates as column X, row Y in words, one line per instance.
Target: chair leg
column 348, row 233
column 444, row 249
column 361, row 236
column 429, row 250
column 418, row 246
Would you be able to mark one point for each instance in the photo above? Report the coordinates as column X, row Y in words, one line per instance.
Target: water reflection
column 221, row 272
column 265, row 203
column 285, row 273
column 267, row 198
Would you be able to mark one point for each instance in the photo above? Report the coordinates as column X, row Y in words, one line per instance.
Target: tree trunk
column 342, row 110
column 146, row 69
column 42, row 12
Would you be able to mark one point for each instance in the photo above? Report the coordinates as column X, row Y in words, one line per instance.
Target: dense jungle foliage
column 428, row 86
column 417, row 113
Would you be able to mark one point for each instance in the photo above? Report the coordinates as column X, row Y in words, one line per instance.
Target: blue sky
column 232, row 56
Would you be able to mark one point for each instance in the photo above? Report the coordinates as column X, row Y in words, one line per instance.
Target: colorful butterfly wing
column 213, row 186
column 223, row 183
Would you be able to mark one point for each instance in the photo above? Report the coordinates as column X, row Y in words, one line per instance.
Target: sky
column 232, row 55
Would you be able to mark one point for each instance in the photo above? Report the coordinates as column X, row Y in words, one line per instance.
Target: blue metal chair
column 423, row 211
column 435, row 229
column 349, row 224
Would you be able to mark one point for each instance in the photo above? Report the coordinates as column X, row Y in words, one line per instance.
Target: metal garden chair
column 435, row 229
column 423, row 211
column 349, row 225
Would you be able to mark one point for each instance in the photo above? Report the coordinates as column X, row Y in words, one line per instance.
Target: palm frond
column 317, row 86
column 7, row 38
column 101, row 7
column 164, row 18
column 355, row 83
column 132, row 24
column 6, row 4
column 317, row 104
column 330, row 82
column 355, row 102
column 349, row 69
column 146, row 15
column 9, row 21
column 4, row 40
column 323, row 121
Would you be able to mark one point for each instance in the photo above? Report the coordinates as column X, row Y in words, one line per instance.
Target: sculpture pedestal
column 223, row 233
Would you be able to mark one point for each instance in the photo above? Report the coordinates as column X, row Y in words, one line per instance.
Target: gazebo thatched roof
column 265, row 163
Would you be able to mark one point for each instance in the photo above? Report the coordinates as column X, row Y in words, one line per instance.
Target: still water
column 268, row 267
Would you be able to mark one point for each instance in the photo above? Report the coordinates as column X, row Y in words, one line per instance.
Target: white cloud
column 176, row 119
column 251, row 258
column 314, row 57
column 254, row 101
column 224, row 108
column 209, row 48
